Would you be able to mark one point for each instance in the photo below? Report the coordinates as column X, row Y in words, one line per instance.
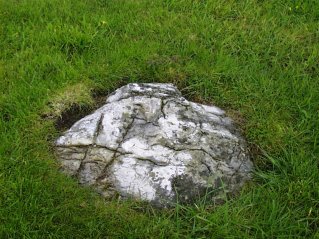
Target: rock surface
column 148, row 142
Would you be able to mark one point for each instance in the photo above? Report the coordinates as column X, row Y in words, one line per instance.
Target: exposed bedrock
column 148, row 142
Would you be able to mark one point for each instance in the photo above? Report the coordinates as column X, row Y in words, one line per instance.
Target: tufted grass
column 257, row 59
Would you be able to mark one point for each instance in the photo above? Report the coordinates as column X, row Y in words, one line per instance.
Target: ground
column 256, row 59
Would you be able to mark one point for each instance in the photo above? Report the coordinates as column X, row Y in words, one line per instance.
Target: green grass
column 257, row 59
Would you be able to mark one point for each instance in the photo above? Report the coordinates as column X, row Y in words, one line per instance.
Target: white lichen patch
column 150, row 143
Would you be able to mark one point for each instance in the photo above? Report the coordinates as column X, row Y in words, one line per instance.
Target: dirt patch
column 71, row 115
column 77, row 111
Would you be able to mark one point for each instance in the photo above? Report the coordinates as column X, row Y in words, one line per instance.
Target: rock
column 149, row 143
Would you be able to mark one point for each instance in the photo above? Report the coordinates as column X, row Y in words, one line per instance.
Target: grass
column 257, row 59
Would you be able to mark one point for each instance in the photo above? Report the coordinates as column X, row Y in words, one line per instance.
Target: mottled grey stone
column 148, row 142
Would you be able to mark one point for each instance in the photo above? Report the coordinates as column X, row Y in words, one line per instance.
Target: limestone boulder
column 149, row 143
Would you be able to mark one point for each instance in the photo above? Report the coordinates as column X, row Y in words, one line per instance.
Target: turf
column 257, row 59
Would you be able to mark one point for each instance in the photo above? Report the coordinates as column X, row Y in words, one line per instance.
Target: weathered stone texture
column 150, row 143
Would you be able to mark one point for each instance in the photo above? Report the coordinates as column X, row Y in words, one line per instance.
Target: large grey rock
column 150, row 143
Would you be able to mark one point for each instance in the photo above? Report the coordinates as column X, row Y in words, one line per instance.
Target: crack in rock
column 105, row 169
column 148, row 142
column 98, row 128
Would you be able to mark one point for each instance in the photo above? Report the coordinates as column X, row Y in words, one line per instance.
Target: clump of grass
column 78, row 94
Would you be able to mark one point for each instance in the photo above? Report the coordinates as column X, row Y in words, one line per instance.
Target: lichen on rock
column 148, row 142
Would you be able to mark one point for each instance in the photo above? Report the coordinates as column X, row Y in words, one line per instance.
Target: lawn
column 257, row 59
